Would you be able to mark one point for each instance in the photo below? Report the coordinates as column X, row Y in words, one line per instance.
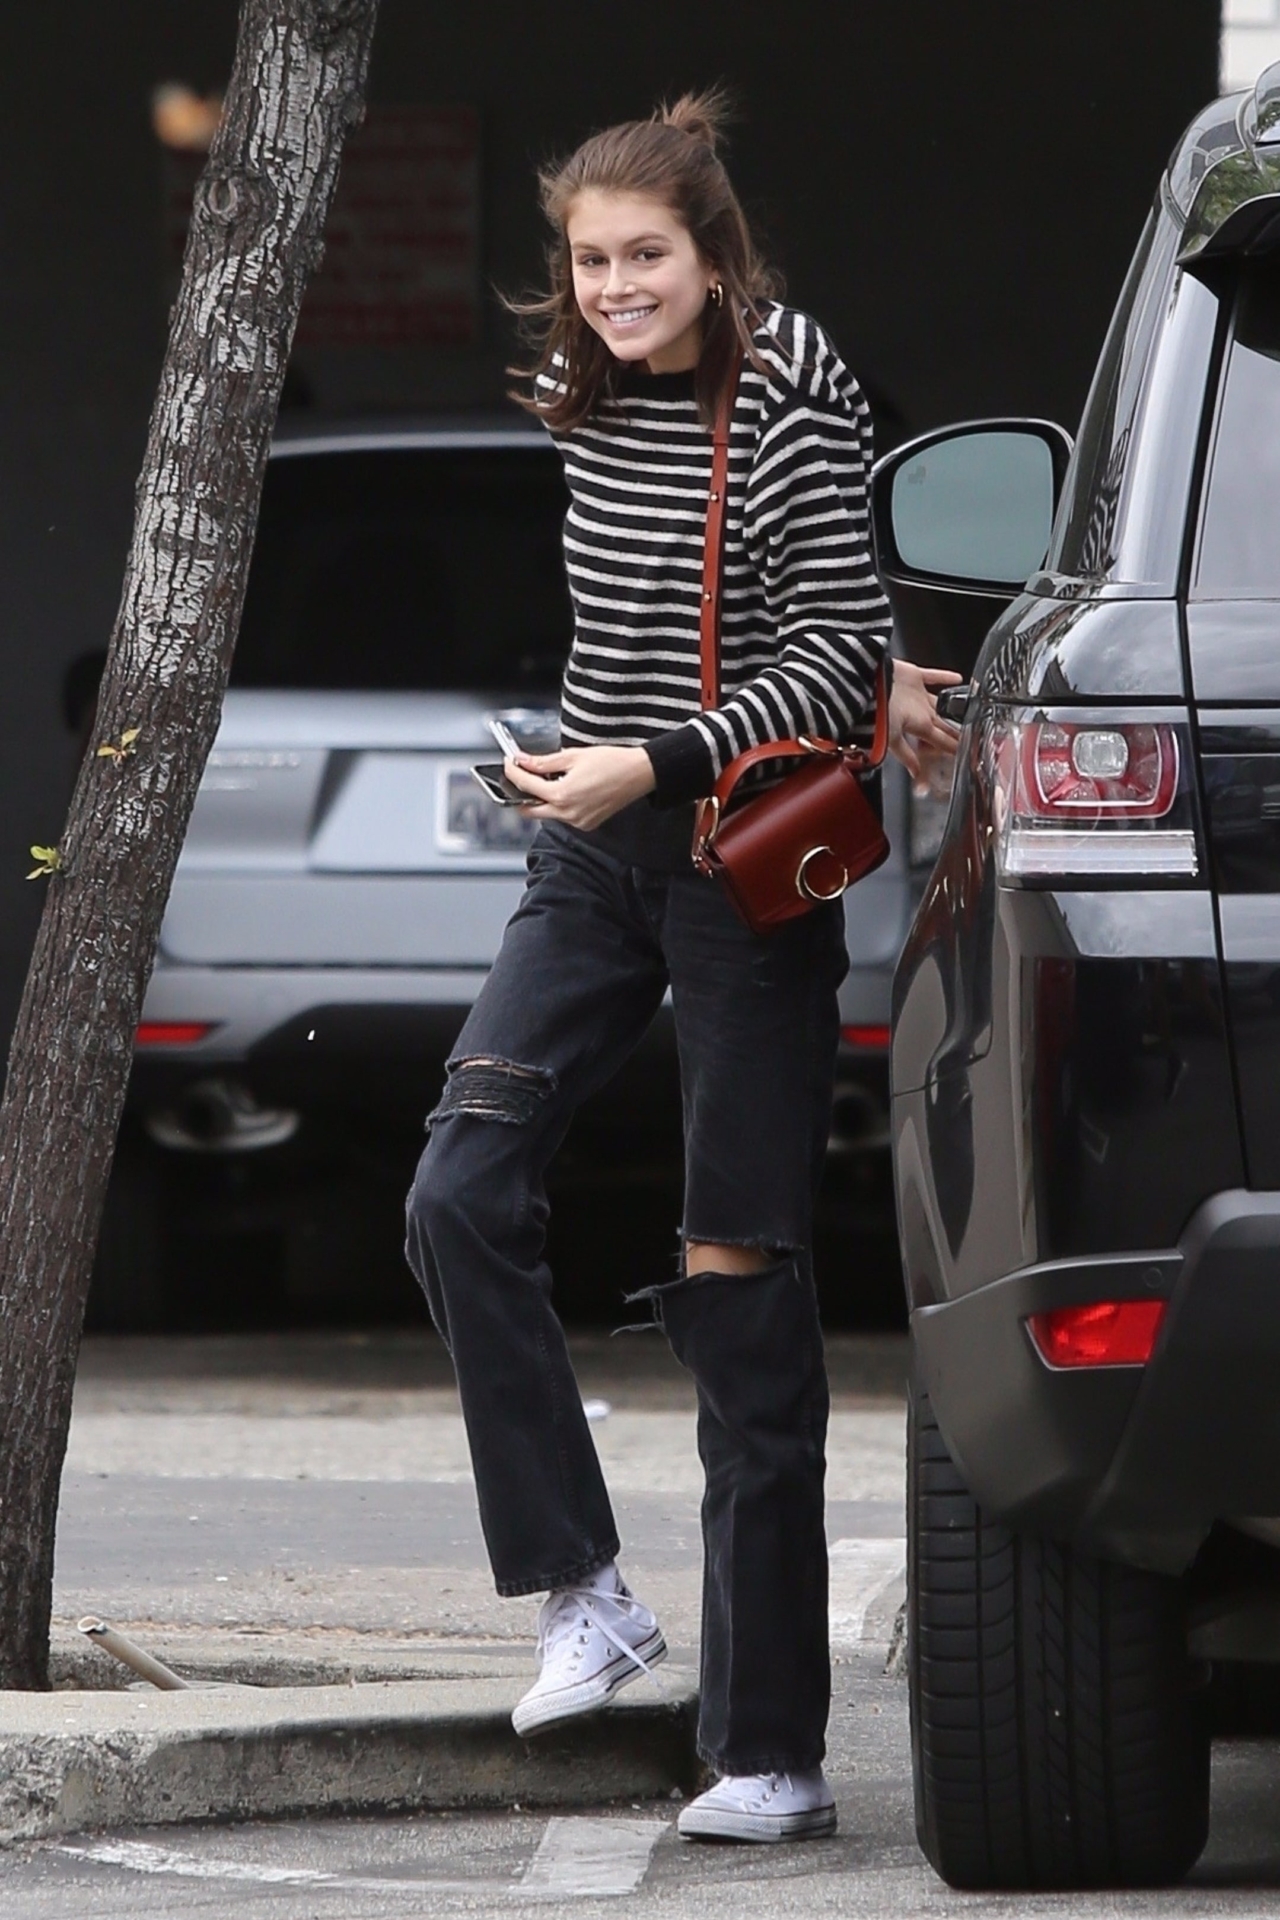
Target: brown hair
column 671, row 157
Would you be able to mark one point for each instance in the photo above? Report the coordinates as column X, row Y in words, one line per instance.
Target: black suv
column 1086, row 1064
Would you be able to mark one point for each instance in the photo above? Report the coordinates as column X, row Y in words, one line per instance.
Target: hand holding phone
column 493, row 779
column 503, row 792
column 502, row 733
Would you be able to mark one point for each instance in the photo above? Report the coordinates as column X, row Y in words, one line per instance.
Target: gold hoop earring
column 717, row 293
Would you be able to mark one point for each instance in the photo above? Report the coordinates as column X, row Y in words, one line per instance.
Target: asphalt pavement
column 286, row 1508
column 316, row 1491
column 623, row 1859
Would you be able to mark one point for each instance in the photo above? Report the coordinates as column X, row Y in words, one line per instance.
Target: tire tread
column 1056, row 1739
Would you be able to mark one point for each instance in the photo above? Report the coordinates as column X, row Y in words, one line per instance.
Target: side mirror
column 969, row 508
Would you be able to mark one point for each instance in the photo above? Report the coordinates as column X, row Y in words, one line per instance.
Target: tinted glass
column 1084, row 538
column 975, row 507
column 408, row 570
column 1240, row 529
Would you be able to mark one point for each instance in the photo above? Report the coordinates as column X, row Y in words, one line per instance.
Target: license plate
column 469, row 822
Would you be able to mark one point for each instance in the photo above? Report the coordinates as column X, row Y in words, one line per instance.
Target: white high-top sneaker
column 762, row 1806
column 591, row 1642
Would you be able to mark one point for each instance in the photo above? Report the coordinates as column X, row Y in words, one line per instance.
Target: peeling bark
column 297, row 88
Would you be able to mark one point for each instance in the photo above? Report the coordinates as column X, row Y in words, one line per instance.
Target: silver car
column 345, row 882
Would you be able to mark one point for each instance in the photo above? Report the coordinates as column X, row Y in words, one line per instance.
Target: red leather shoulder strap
column 713, row 546
column 709, row 619
column 756, row 756
column 880, row 739
column 862, row 759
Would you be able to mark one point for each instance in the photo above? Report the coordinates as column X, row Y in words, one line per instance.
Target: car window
column 408, row 569
column 1084, row 535
column 1239, row 556
column 1124, row 510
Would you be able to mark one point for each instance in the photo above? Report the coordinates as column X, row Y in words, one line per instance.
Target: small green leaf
column 121, row 751
column 50, row 859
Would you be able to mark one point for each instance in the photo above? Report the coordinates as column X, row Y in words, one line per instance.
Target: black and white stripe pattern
column 805, row 621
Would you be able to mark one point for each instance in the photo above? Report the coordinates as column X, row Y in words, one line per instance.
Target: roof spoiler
column 1236, row 208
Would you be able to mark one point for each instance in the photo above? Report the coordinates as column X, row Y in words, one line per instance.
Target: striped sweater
column 805, row 623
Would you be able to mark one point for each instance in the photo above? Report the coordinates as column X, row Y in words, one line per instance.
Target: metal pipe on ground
column 123, row 1649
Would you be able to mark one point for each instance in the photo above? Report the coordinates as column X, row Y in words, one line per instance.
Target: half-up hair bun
column 671, row 157
column 703, row 116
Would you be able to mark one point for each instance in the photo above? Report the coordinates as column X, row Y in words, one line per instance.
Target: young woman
column 658, row 300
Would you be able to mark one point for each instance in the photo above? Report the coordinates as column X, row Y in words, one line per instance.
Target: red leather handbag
column 810, row 837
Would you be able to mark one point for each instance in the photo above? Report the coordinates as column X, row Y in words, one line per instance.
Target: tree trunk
column 297, row 87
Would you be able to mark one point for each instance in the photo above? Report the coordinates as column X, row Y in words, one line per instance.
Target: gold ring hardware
column 704, row 838
column 807, row 892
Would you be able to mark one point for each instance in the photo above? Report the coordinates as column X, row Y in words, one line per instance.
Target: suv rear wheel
column 1057, row 1741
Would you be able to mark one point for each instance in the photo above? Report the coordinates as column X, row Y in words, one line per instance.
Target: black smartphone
column 503, row 792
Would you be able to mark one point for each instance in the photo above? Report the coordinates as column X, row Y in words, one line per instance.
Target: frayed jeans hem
column 739, row 1767
column 566, row 1577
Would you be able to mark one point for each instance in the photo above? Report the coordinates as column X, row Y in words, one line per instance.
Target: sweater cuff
column 683, row 767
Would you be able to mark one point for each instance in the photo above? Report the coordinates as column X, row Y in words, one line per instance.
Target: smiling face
column 638, row 278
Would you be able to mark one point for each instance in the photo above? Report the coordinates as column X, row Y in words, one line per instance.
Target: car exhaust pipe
column 859, row 1123
column 220, row 1116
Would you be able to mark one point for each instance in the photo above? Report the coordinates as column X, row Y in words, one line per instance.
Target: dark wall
column 952, row 190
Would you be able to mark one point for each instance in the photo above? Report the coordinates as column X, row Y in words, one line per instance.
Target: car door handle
column 956, row 703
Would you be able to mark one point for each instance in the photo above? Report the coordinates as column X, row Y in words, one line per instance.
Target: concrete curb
column 74, row 1760
column 286, row 1658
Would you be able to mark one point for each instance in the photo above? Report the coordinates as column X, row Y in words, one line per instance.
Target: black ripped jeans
column 581, row 972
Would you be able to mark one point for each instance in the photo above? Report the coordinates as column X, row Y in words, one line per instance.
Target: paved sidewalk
column 71, row 1761
column 309, row 1499
column 298, row 1513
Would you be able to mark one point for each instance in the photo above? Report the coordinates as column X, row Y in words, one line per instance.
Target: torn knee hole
column 767, row 1249
column 486, row 1087
column 744, row 1257
column 687, row 1282
column 753, row 1243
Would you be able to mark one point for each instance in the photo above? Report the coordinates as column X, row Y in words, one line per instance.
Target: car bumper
column 245, row 1006
column 299, row 1032
column 1132, row 1463
column 335, row 1038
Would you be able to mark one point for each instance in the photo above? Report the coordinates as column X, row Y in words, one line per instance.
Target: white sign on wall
column 1250, row 41
column 402, row 246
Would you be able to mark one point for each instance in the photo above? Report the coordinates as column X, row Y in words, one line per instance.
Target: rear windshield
column 1240, row 528
column 408, row 569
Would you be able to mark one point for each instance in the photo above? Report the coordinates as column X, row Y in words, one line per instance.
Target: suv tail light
column 1090, row 796
column 868, row 1039
column 173, row 1033
column 1099, row 773
column 1106, row 1333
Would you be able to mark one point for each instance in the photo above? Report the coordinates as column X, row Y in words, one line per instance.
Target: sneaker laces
column 571, row 1608
column 754, row 1791
column 770, row 1785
